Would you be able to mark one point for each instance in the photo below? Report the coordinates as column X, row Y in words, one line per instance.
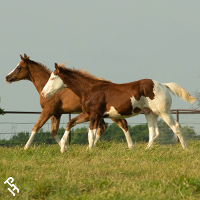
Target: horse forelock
column 82, row 72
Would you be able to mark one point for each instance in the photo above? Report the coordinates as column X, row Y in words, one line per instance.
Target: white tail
column 180, row 92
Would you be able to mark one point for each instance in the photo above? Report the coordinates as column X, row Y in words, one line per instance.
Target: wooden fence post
column 177, row 119
column 70, row 130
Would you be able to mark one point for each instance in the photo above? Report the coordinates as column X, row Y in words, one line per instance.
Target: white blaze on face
column 54, row 85
column 13, row 70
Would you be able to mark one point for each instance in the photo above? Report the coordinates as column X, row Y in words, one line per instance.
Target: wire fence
column 187, row 118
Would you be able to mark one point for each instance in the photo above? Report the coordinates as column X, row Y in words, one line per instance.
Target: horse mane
column 26, row 59
column 83, row 72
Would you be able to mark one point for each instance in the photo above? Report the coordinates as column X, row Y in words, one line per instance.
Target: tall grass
column 109, row 171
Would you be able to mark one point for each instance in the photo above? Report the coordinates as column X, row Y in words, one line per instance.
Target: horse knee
column 53, row 133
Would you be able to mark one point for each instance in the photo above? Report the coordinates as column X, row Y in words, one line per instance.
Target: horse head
column 20, row 72
column 54, row 84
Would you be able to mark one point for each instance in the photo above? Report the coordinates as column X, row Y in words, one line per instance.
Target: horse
column 118, row 101
column 61, row 103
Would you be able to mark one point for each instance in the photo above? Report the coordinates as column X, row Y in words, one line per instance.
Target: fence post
column 70, row 130
column 177, row 119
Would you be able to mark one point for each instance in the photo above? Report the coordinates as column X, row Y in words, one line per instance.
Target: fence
column 185, row 117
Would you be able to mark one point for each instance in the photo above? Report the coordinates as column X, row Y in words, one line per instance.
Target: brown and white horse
column 61, row 103
column 110, row 100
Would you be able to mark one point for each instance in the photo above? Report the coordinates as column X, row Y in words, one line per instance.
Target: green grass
column 109, row 171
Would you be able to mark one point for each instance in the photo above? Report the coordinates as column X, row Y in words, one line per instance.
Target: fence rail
column 177, row 112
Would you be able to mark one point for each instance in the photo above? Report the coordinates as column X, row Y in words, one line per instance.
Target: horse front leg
column 94, row 123
column 82, row 117
column 45, row 115
column 55, row 121
column 100, row 130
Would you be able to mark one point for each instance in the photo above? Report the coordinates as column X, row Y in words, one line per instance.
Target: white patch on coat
column 54, row 85
column 161, row 95
column 112, row 113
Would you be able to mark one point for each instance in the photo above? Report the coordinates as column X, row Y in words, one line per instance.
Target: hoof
column 62, row 151
column 131, row 147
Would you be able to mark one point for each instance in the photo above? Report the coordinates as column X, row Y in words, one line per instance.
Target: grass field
column 109, row 171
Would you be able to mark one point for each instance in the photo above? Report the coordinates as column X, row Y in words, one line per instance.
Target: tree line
column 113, row 132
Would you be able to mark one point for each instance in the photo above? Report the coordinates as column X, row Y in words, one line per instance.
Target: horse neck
column 80, row 85
column 39, row 77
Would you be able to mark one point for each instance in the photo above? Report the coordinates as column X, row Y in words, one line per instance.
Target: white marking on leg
column 30, row 140
column 96, row 139
column 64, row 140
column 177, row 130
column 151, row 136
column 128, row 139
column 156, row 131
column 57, row 140
column 152, row 122
column 174, row 125
column 91, row 138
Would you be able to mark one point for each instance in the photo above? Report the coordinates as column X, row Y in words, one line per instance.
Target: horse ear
column 26, row 57
column 56, row 66
column 22, row 57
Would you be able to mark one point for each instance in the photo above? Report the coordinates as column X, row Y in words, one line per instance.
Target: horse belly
column 113, row 113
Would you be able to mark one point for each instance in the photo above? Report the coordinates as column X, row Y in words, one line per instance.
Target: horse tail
column 180, row 92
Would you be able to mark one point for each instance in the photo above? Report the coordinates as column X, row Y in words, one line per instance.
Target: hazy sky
column 122, row 41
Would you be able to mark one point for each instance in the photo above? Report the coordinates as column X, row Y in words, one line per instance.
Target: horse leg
column 153, row 127
column 156, row 128
column 122, row 123
column 45, row 115
column 55, row 121
column 82, row 117
column 175, row 126
column 94, row 123
column 100, row 130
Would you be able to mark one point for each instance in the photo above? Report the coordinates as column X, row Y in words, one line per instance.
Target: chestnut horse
column 61, row 103
column 110, row 100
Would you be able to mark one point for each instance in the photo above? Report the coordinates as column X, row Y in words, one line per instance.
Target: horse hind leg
column 153, row 127
column 175, row 126
column 122, row 123
column 55, row 121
